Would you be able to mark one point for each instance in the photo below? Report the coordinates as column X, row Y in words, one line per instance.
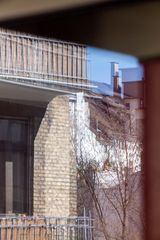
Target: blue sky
column 99, row 63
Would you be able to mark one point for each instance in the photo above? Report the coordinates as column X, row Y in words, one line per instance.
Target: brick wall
column 54, row 180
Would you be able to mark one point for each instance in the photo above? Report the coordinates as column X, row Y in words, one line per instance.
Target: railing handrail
column 46, row 226
column 45, row 218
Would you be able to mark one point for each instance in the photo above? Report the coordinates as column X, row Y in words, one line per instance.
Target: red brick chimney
column 115, row 79
column 116, row 86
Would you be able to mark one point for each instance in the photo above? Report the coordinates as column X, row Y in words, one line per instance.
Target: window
column 14, row 166
column 128, row 105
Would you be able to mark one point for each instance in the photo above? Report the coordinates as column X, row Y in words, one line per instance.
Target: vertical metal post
column 90, row 226
column 85, row 224
column 72, row 64
column 76, row 62
column 53, row 53
column 58, row 61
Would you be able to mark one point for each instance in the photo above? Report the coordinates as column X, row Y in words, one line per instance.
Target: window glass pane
column 13, row 165
column 9, row 186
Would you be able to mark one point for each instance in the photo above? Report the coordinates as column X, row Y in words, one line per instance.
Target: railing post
column 85, row 224
column 90, row 226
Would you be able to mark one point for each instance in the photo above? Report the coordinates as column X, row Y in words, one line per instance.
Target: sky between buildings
column 100, row 64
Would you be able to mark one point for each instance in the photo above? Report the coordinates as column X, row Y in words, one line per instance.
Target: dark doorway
column 14, row 165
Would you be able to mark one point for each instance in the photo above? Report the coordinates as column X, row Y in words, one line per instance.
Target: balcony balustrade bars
column 46, row 228
column 39, row 59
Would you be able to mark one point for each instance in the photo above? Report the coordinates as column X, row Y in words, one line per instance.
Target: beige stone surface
column 54, row 184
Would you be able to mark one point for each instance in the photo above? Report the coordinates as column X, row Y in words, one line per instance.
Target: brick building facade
column 54, row 181
column 37, row 164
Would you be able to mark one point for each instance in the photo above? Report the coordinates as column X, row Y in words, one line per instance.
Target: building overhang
column 130, row 27
column 29, row 94
column 12, row 9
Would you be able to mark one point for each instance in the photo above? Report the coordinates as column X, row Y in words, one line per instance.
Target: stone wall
column 54, row 180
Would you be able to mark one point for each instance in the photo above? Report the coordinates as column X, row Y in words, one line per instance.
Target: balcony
column 42, row 62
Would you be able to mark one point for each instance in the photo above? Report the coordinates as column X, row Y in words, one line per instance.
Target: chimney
column 115, row 79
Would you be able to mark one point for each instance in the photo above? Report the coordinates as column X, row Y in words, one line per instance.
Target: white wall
column 89, row 149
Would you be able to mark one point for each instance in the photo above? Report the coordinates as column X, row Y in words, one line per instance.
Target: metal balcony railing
column 46, row 228
column 24, row 57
